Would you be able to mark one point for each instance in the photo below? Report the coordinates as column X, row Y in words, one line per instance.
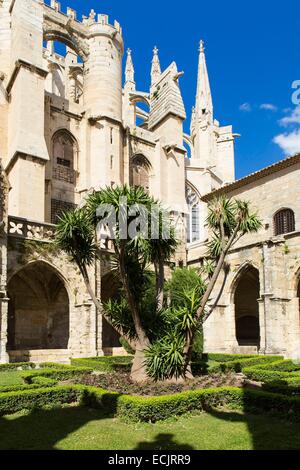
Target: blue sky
column 253, row 57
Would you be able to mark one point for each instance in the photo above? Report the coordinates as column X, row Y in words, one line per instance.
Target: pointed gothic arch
column 64, row 164
column 245, row 295
column 39, row 309
column 140, row 171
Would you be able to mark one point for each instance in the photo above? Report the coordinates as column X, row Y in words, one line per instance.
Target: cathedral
column 73, row 122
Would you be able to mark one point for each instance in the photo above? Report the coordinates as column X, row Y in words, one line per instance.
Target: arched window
column 284, row 222
column 139, row 172
column 64, row 162
column 193, row 218
column 64, row 156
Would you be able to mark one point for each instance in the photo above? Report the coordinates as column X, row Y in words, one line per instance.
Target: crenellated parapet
column 67, row 28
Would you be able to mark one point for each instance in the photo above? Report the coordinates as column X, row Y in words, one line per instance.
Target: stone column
column 4, row 358
column 262, row 325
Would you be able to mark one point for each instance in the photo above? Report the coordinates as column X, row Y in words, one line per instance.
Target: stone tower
column 212, row 158
column 103, row 100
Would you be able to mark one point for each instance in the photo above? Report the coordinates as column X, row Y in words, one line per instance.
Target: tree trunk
column 99, row 306
column 138, row 370
column 160, row 285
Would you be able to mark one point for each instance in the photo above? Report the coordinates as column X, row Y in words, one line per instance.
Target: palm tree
column 115, row 210
column 228, row 220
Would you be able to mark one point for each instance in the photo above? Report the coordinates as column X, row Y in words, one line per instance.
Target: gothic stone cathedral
column 69, row 124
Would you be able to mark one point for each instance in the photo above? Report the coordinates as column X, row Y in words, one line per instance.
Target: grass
column 83, row 429
column 11, row 378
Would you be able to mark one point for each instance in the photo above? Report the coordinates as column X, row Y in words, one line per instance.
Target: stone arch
column 69, row 40
column 109, row 290
column 39, row 308
column 245, row 294
column 142, row 111
column 63, row 132
column 140, row 171
column 189, row 144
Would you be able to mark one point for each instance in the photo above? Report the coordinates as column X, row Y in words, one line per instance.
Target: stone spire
column 204, row 105
column 155, row 70
column 129, row 71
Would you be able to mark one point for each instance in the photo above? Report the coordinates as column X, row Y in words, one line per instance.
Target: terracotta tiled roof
column 269, row 170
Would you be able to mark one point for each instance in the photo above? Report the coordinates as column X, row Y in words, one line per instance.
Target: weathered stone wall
column 278, row 262
column 83, row 318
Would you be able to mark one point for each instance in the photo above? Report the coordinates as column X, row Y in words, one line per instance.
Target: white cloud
column 269, row 107
column 293, row 118
column 246, row 107
column 289, row 142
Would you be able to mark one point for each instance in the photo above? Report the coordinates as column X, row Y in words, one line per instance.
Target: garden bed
column 122, row 383
column 104, row 383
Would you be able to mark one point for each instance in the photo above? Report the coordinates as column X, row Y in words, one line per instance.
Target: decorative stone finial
column 129, row 71
column 92, row 14
column 201, row 47
column 155, row 70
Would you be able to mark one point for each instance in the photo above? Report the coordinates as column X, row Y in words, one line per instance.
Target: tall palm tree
column 228, row 220
column 119, row 210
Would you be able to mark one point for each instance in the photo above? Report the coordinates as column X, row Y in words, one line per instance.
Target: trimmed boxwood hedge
column 283, row 366
column 143, row 409
column 160, row 408
column 220, row 357
column 240, row 364
column 65, row 373
column 106, row 363
column 12, row 402
column 37, row 383
column 17, row 366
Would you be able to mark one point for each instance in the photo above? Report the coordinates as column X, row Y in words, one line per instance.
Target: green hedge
column 283, row 366
column 288, row 386
column 55, row 374
column 239, row 365
column 105, row 364
column 37, row 383
column 13, row 402
column 225, row 357
column 153, row 409
column 268, row 375
column 16, row 366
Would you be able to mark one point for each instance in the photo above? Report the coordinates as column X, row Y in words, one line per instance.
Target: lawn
column 84, row 429
column 11, row 378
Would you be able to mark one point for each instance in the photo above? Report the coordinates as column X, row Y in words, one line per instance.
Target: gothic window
column 193, row 218
column 284, row 222
column 139, row 172
column 64, row 156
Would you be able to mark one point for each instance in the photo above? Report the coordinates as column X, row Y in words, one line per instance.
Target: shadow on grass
column 43, row 429
column 267, row 432
column 163, row 442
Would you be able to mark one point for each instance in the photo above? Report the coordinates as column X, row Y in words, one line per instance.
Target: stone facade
column 70, row 124
column 263, row 282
